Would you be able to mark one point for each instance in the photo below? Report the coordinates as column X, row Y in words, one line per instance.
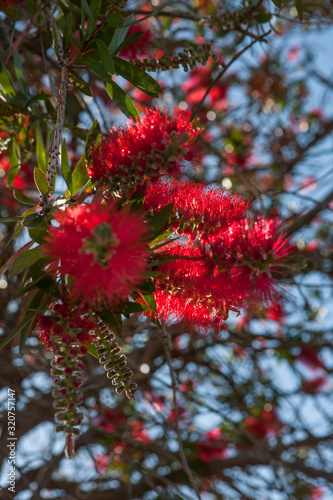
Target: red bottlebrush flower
column 228, row 269
column 195, row 87
column 275, row 313
column 310, row 359
column 104, row 250
column 146, row 150
column 181, row 415
column 111, row 420
column 254, row 250
column 172, row 306
column 316, row 492
column 206, row 208
column 140, row 433
column 266, row 423
column 212, row 447
column 44, row 326
column 23, row 179
column 5, row 4
column 102, row 463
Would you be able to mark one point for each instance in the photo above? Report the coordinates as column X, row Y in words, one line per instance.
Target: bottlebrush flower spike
column 146, row 150
column 102, row 249
column 228, row 269
column 64, row 334
column 254, row 250
column 205, row 209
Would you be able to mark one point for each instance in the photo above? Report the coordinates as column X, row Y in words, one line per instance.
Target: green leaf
column 15, row 160
column 83, row 23
column 43, row 282
column 10, row 219
column 92, row 350
column 95, row 66
column 25, row 260
column 23, row 324
column 160, row 220
column 30, row 309
column 65, row 168
column 263, row 17
column 114, row 321
column 299, row 7
column 22, row 198
column 133, row 308
column 277, row 3
column 40, row 151
column 161, row 240
column 79, row 176
column 122, row 100
column 37, row 235
column 19, row 72
column 37, row 97
column 87, row 9
column 92, row 136
column 147, row 291
column 119, row 36
column 80, row 84
column 29, row 211
column 30, row 313
column 6, row 81
column 34, row 221
column 115, row 20
column 105, row 56
column 137, row 77
column 95, row 7
column 41, row 182
column 129, row 39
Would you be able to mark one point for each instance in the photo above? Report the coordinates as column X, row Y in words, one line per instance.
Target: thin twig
column 61, row 99
column 304, row 220
column 225, row 68
column 167, row 344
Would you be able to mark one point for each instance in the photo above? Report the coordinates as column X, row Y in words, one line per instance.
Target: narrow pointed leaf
column 65, row 167
column 158, row 222
column 122, row 100
column 41, row 182
column 25, row 260
column 136, row 76
column 129, row 39
column 105, row 56
column 87, row 9
column 22, row 198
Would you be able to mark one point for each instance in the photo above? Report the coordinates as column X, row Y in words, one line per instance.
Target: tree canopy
column 166, row 249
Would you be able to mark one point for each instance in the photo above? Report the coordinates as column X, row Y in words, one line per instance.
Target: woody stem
column 61, row 100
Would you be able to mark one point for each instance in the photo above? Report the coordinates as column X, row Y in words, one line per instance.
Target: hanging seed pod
column 114, row 361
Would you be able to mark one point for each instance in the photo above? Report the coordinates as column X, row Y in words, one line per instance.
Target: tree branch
column 61, row 99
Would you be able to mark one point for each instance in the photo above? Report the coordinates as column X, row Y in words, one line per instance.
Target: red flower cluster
column 64, row 327
column 212, row 447
column 310, row 359
column 263, row 425
column 315, row 385
column 146, row 150
column 199, row 209
column 23, row 180
column 102, row 249
column 228, row 269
